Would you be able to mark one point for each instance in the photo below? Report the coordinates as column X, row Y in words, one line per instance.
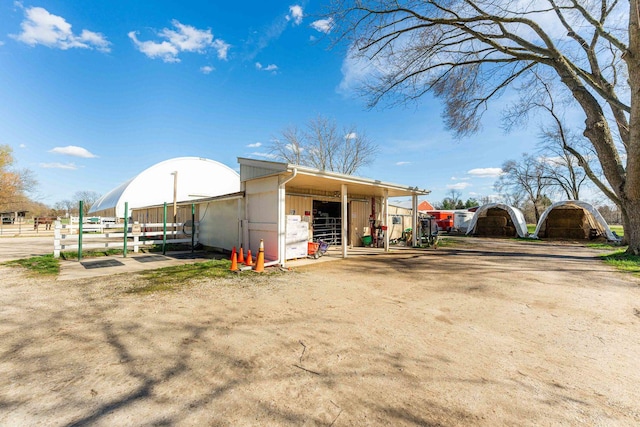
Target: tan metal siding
column 359, row 221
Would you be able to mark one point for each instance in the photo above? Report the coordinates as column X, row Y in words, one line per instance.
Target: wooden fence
column 67, row 237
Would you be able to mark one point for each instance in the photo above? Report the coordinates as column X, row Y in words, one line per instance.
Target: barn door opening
column 327, row 223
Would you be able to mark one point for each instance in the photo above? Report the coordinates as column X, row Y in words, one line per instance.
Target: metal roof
column 316, row 181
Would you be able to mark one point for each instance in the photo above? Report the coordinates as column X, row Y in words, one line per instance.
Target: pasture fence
column 78, row 237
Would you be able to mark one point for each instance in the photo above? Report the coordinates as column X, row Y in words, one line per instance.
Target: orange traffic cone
column 234, row 262
column 248, row 261
column 233, row 252
column 259, row 267
column 240, row 256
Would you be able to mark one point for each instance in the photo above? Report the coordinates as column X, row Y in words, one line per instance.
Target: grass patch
column 617, row 229
column 531, row 228
column 45, row 265
column 623, row 261
column 604, row 245
column 69, row 255
column 179, row 276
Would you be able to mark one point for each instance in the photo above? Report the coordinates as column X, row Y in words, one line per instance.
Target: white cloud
column 42, row 27
column 165, row 50
column 259, row 40
column 295, row 14
column 187, row 38
column 270, row 67
column 207, row 69
column 265, row 155
column 1, row 43
column 255, row 145
column 355, row 70
column 68, row 166
column 222, row 48
column 402, row 163
column 22, row 146
column 455, row 178
column 183, row 38
column 351, row 135
column 486, row 172
column 458, row 186
column 323, row 25
column 72, row 150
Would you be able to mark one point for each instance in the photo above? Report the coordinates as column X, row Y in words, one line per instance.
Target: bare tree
column 469, row 51
column 567, row 156
column 526, row 177
column 87, row 197
column 14, row 183
column 322, row 146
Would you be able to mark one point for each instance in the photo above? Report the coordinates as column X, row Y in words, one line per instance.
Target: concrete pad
column 132, row 263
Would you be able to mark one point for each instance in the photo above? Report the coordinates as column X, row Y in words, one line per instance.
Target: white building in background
column 181, row 178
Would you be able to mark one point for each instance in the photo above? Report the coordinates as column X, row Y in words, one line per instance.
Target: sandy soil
column 492, row 332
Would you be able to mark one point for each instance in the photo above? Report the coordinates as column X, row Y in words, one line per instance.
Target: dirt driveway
column 492, row 332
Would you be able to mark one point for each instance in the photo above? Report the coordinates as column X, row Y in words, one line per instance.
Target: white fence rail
column 67, row 237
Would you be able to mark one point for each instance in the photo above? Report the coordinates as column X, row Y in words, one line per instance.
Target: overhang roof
column 321, row 182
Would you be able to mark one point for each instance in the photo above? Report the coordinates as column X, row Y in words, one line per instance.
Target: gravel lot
column 487, row 332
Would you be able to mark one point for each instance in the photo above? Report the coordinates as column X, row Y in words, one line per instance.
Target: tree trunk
column 631, row 200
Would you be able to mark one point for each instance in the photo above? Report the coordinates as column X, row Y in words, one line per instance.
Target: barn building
column 281, row 204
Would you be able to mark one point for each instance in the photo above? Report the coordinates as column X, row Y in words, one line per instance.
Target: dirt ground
column 490, row 332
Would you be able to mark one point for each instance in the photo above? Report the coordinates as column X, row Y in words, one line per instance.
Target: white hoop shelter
column 573, row 219
column 181, row 178
column 501, row 224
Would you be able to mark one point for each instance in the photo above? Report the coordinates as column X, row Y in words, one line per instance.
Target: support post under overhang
column 345, row 220
column 414, row 220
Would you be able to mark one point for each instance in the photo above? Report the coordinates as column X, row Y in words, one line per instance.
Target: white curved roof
column 197, row 178
column 517, row 217
column 596, row 220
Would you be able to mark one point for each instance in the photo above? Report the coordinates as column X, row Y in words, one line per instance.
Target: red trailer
column 444, row 219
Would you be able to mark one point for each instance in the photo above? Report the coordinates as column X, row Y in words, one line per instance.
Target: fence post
column 57, row 235
column 80, row 222
column 126, row 228
column 164, row 228
column 136, row 240
column 193, row 226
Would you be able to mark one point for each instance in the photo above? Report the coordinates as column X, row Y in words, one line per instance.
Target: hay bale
column 497, row 212
column 576, row 213
column 492, row 221
column 566, row 233
column 488, row 231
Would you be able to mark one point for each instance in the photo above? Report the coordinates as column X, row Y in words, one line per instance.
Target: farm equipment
column 316, row 249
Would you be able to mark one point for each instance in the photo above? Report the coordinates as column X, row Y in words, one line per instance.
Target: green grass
column 45, row 265
column 617, row 229
column 623, row 261
column 177, row 277
column 531, row 228
column 604, row 245
column 90, row 254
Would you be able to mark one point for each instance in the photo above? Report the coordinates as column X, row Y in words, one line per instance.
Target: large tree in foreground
column 468, row 51
column 323, row 146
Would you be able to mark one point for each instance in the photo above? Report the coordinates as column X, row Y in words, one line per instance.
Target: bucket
column 366, row 240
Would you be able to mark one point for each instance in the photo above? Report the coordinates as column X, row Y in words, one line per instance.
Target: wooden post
column 80, row 221
column 126, row 229
column 57, row 235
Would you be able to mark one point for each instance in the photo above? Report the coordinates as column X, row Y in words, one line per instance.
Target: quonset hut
column 498, row 220
column 181, row 178
column 572, row 219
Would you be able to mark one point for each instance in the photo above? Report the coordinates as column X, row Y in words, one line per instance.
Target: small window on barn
column 396, row 219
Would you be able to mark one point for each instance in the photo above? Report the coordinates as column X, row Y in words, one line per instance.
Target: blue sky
column 95, row 92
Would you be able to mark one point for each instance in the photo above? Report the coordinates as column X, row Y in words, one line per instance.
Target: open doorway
column 327, row 222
